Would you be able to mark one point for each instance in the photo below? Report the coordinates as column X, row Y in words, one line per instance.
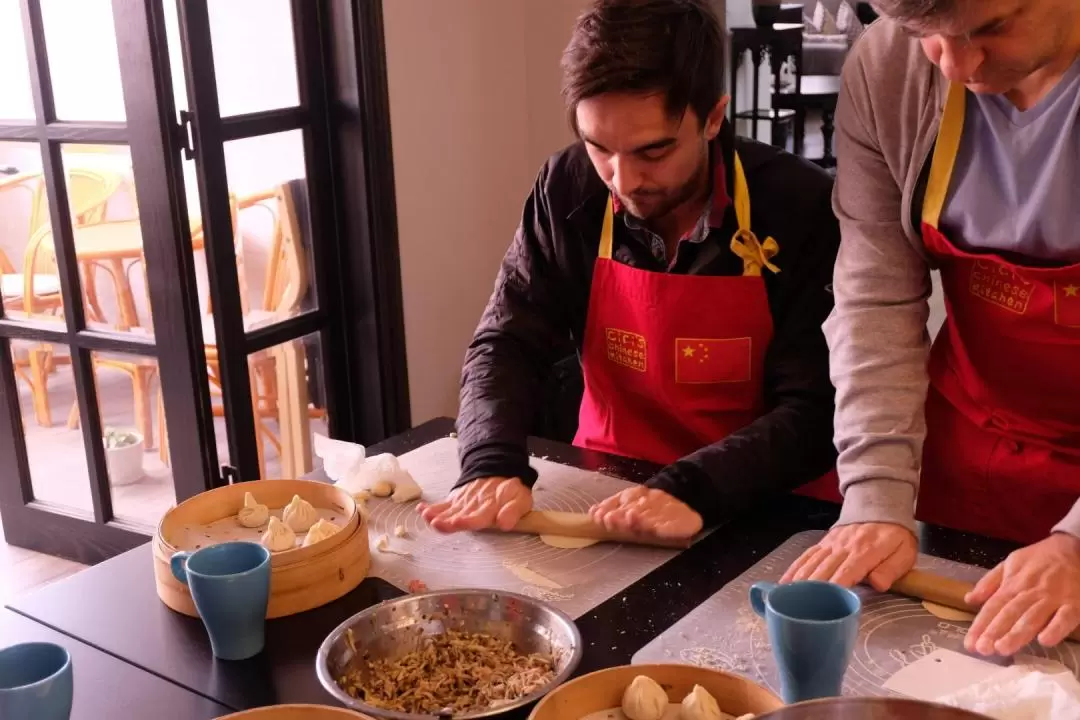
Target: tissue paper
column 1021, row 692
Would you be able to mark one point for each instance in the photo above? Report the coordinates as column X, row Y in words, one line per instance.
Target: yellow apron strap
column 948, row 144
column 744, row 243
column 741, row 196
column 608, row 232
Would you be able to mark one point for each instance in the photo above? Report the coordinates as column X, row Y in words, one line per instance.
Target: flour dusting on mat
column 525, row 574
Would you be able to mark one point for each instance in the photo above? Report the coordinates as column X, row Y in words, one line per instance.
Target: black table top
column 113, row 606
column 109, row 688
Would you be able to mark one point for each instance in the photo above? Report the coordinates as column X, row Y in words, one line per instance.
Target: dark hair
column 673, row 47
column 914, row 9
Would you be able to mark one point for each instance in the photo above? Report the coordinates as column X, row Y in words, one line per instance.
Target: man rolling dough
column 959, row 149
column 691, row 270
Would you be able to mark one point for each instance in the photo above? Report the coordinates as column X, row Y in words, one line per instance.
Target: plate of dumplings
column 312, row 529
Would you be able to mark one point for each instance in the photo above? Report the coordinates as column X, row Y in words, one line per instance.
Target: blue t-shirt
column 1016, row 185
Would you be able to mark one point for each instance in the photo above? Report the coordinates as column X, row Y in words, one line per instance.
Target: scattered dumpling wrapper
column 278, row 536
column 299, row 514
column 320, row 531
column 253, row 514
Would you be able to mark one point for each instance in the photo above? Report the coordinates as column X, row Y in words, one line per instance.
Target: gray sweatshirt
column 886, row 124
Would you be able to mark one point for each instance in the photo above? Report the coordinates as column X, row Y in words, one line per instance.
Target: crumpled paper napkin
column 1021, row 692
column 348, row 465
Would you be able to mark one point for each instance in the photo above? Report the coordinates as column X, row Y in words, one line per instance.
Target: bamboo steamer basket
column 300, row 579
column 296, row 712
column 603, row 690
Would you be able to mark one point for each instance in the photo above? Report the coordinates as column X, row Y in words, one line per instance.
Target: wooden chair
column 141, row 370
column 286, row 285
column 36, row 290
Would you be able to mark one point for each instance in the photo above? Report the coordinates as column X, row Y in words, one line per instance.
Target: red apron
column 673, row 363
column 1002, row 453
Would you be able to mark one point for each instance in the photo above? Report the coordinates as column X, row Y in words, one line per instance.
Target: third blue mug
column 812, row 629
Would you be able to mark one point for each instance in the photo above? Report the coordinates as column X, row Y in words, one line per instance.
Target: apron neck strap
column 608, row 233
column 741, row 201
column 945, row 150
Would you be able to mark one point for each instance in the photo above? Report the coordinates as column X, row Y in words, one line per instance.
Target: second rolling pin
column 943, row 591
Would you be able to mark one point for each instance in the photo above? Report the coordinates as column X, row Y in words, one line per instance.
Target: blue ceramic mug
column 230, row 584
column 35, row 682
column 812, row 629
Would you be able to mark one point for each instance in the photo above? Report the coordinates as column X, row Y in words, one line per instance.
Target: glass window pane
column 50, row 415
column 108, row 237
column 131, row 419
column 29, row 281
column 83, row 63
column 254, row 55
column 290, row 404
column 268, row 188
column 16, row 98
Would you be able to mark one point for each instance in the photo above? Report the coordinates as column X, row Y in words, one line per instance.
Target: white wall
column 475, row 110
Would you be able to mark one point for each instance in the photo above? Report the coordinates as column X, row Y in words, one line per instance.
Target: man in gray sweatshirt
column 958, row 138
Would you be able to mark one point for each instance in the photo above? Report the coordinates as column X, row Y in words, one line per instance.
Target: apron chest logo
column 626, row 348
column 1001, row 286
column 705, row 361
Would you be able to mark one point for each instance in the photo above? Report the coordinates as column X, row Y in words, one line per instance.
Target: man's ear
column 716, row 118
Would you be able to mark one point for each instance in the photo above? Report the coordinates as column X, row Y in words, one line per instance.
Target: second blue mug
column 230, row 584
column 812, row 629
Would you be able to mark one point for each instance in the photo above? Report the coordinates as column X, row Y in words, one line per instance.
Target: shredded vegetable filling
column 451, row 673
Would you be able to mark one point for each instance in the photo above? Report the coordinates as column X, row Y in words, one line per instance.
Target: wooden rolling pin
column 580, row 525
column 943, row 591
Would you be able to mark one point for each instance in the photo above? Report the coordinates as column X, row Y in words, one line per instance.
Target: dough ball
column 382, row 488
column 700, row 705
column 644, row 699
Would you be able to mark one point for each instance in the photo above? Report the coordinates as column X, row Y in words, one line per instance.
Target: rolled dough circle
column 947, row 613
column 567, row 543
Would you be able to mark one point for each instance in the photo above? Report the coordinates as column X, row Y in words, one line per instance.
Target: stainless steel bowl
column 392, row 628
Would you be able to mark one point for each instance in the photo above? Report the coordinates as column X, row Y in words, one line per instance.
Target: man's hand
column 483, row 503
column 649, row 512
column 879, row 552
column 1035, row 593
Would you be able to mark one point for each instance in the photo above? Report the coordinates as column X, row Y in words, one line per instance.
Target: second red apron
column 1002, row 454
column 673, row 363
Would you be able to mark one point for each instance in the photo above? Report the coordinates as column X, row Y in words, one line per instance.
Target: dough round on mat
column 947, row 613
column 567, row 543
column 644, row 699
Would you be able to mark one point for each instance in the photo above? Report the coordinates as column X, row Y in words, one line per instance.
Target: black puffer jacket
column 540, row 304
